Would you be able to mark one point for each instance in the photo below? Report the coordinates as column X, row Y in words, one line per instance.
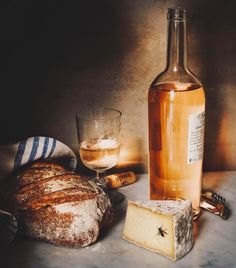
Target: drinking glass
column 99, row 145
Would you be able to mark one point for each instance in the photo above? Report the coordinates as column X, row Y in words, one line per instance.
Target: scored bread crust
column 64, row 209
column 33, row 175
column 75, row 224
column 27, row 176
column 47, row 164
column 60, row 186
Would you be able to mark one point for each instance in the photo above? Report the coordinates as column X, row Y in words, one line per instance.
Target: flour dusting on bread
column 61, row 208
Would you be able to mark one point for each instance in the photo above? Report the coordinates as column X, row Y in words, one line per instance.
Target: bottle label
column 195, row 137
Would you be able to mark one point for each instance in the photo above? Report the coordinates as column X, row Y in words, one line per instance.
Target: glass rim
column 78, row 114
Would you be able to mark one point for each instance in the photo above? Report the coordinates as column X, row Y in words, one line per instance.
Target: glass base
column 115, row 197
column 101, row 183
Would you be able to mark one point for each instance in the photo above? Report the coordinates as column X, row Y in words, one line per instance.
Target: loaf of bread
column 57, row 206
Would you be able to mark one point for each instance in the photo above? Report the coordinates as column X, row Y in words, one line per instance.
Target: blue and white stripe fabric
column 27, row 151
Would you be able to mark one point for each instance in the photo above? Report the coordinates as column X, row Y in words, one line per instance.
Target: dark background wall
column 57, row 57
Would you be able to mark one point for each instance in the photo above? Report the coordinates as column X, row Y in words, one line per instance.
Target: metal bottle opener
column 215, row 203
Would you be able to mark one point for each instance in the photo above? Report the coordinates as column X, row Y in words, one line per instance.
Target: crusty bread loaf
column 60, row 207
column 28, row 175
column 47, row 163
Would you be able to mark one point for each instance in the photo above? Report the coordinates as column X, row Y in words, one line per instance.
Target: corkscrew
column 215, row 203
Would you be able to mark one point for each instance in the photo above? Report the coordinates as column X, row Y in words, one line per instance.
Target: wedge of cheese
column 165, row 227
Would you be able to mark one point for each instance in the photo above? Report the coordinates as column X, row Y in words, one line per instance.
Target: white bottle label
column 195, row 137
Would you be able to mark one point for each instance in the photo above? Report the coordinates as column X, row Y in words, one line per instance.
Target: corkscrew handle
column 215, row 203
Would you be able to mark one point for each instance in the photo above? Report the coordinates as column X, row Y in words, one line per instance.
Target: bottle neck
column 177, row 46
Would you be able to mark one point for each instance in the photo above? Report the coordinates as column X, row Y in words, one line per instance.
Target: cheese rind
column 165, row 227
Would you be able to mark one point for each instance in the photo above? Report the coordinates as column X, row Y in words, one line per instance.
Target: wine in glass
column 99, row 145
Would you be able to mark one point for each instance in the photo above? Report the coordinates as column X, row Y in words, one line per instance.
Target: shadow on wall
column 57, row 58
column 44, row 46
column 215, row 37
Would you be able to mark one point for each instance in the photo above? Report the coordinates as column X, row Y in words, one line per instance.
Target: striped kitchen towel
column 27, row 151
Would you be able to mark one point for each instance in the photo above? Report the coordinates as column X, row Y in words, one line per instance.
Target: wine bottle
column 176, row 118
